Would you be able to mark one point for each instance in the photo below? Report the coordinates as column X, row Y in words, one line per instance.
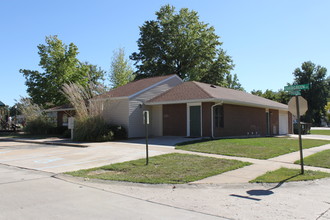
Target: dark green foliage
column 96, row 129
column 40, row 126
column 316, row 95
column 119, row 132
column 280, row 96
column 178, row 43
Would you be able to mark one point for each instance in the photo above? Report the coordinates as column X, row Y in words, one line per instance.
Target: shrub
column 66, row 133
column 119, row 132
column 39, row 126
column 96, row 129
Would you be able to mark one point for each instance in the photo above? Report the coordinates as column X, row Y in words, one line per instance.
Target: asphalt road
column 27, row 194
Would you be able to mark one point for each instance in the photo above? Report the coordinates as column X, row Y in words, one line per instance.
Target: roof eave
column 233, row 102
column 109, row 98
column 60, row 110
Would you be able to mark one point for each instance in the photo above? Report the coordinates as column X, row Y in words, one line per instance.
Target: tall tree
column 60, row 65
column 178, row 43
column 280, row 96
column 316, row 95
column 121, row 71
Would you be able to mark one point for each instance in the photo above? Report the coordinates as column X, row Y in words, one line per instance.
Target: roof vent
column 213, row 86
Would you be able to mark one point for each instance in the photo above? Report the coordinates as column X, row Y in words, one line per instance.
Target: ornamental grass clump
column 92, row 128
column 89, row 123
column 36, row 121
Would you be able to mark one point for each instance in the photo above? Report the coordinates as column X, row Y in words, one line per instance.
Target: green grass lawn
column 259, row 148
column 321, row 132
column 172, row 168
column 320, row 159
column 288, row 175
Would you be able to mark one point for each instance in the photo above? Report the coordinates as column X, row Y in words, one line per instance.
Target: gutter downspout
column 212, row 117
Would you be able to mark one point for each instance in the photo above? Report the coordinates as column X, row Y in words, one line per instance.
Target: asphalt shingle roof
column 132, row 87
column 197, row 91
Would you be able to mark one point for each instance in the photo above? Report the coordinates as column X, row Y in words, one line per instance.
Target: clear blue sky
column 266, row 39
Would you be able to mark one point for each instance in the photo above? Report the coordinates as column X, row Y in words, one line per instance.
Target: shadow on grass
column 263, row 192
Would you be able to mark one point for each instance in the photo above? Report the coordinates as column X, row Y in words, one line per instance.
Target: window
column 65, row 120
column 218, row 116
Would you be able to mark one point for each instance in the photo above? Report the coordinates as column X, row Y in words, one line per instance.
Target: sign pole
column 146, row 122
column 295, row 90
column 300, row 141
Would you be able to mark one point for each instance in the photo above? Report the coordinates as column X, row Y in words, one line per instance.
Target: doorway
column 194, row 121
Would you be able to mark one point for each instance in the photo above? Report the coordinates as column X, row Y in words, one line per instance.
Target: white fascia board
column 183, row 101
column 224, row 101
column 60, row 110
column 154, row 85
column 233, row 102
column 109, row 98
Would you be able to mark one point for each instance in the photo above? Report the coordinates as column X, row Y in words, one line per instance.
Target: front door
column 195, row 121
column 267, row 123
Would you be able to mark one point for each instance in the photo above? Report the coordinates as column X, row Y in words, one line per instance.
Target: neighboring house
column 192, row 109
column 3, row 109
column 60, row 114
column 3, row 115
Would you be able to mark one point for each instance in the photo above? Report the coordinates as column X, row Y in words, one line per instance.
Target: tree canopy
column 60, row 65
column 316, row 95
column 279, row 96
column 121, row 71
column 178, row 43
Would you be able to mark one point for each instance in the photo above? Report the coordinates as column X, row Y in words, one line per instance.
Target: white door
column 283, row 123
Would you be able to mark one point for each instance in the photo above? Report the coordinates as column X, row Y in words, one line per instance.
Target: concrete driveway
column 58, row 159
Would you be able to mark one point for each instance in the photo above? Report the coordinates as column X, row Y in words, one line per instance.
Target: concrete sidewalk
column 260, row 167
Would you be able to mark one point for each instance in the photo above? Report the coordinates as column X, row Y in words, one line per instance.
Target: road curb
column 45, row 142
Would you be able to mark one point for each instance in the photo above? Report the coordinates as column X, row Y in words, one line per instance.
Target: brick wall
column 241, row 120
column 206, row 119
column 175, row 120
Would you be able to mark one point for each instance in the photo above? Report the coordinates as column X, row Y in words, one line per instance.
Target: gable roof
column 2, row 104
column 65, row 107
column 134, row 88
column 201, row 92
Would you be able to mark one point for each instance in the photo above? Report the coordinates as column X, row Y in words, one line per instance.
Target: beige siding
column 136, row 108
column 136, row 126
column 116, row 112
column 157, row 90
column 156, row 120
